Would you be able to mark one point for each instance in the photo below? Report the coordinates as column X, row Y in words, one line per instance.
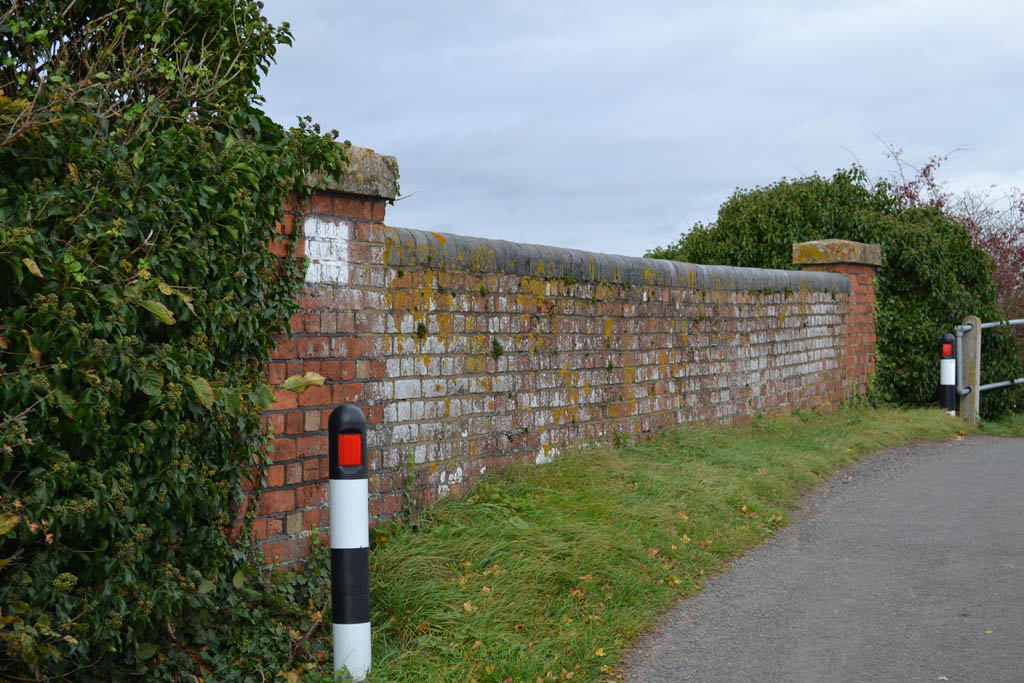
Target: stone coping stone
column 368, row 175
column 822, row 252
column 443, row 251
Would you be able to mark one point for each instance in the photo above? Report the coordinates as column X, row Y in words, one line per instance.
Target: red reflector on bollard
column 350, row 450
column 947, row 350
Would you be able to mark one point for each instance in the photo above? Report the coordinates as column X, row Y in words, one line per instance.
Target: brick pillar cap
column 368, row 174
column 822, row 252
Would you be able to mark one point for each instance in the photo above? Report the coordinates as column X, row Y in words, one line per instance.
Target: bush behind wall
column 931, row 275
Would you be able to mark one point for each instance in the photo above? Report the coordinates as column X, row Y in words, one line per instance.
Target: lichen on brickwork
column 470, row 354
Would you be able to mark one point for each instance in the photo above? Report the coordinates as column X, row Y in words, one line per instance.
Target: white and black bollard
column 350, row 541
column 947, row 375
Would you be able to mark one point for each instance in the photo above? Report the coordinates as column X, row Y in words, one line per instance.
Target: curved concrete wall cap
column 443, row 251
column 368, row 174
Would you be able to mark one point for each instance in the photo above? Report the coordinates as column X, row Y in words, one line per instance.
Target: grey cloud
column 616, row 126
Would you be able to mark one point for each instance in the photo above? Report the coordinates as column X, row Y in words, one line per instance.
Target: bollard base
column 352, row 649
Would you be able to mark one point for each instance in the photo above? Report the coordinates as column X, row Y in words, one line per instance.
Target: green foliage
column 931, row 276
column 139, row 189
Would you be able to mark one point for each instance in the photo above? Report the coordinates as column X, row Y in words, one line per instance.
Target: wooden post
column 970, row 403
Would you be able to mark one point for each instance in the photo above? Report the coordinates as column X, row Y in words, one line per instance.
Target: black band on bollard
column 350, row 585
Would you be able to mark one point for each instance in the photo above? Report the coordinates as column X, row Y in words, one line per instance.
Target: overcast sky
column 615, row 126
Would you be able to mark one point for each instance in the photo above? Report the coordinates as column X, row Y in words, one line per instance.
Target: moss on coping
column 821, row 252
column 441, row 251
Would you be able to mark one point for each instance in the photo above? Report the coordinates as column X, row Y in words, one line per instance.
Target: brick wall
column 468, row 354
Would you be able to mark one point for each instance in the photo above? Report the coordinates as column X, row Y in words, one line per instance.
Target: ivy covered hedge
column 931, row 275
column 140, row 185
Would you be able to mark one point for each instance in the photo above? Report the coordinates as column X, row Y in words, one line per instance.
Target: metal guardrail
column 974, row 386
column 962, row 390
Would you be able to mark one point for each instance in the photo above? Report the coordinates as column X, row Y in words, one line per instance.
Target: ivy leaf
column 32, row 266
column 66, row 403
column 8, row 521
column 74, row 172
column 238, row 580
column 299, row 383
column 232, row 400
column 263, row 397
column 185, row 299
column 152, row 383
column 32, row 349
column 159, row 311
column 205, row 586
column 519, row 522
column 145, row 651
column 204, row 392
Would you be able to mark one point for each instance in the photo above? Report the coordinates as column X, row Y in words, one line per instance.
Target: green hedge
column 139, row 189
column 931, row 276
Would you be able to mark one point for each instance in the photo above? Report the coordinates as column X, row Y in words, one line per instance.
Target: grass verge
column 1008, row 425
column 549, row 573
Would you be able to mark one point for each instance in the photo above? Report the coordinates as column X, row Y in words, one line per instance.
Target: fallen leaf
column 485, row 590
column 299, row 383
column 468, row 606
column 600, row 652
column 686, row 539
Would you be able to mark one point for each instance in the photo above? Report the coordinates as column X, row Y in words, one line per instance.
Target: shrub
column 140, row 185
column 931, row 276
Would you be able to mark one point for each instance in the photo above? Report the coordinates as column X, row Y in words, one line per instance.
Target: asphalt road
column 907, row 566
